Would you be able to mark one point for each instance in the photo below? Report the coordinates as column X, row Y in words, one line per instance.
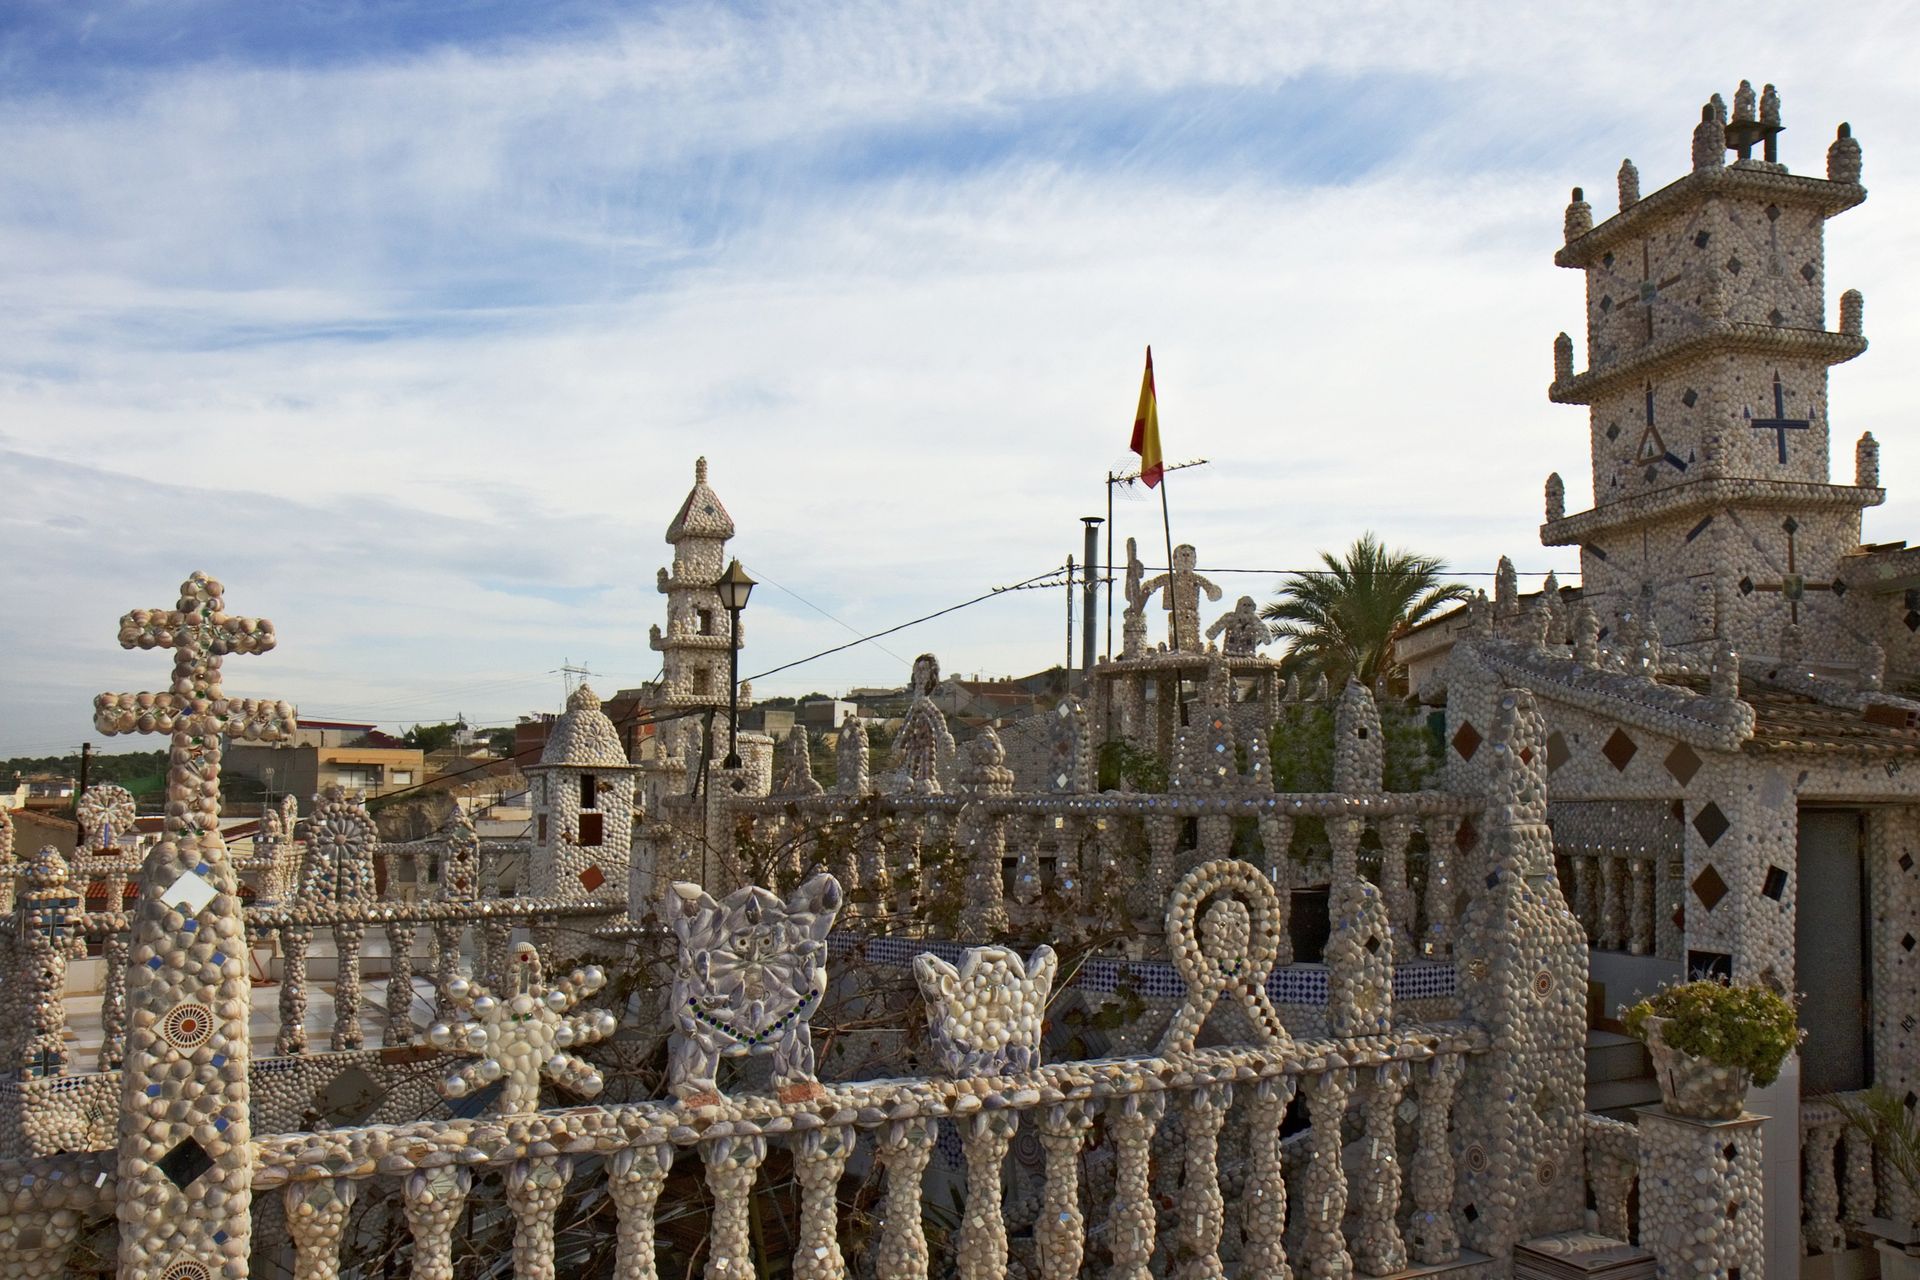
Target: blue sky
column 408, row 320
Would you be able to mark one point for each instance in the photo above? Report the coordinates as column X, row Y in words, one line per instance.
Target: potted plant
column 1710, row 1041
column 1893, row 1129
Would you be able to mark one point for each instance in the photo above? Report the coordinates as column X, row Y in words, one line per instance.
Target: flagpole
column 1173, row 600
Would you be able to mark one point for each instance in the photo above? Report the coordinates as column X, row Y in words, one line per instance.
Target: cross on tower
column 1779, row 423
column 196, row 711
column 1793, row 585
column 1649, row 290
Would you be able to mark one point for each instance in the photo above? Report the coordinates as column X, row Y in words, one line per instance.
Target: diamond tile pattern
column 1682, row 763
column 1557, row 752
column 1466, row 740
column 1710, row 823
column 1620, row 750
column 592, row 878
column 185, row 1163
column 1709, row 887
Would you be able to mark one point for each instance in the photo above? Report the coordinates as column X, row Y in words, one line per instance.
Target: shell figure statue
column 984, row 1016
column 751, row 972
column 524, row 1035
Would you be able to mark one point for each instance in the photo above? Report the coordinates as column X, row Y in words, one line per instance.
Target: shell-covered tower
column 693, row 649
column 582, row 805
column 1714, row 514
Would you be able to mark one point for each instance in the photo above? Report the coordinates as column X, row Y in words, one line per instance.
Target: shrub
column 1750, row 1028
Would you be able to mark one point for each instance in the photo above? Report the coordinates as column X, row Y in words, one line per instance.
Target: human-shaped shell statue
column 984, row 1017
column 524, row 1034
column 924, row 743
column 340, row 840
column 796, row 766
column 1180, row 590
column 1240, row 632
column 752, row 971
column 850, row 758
column 106, row 813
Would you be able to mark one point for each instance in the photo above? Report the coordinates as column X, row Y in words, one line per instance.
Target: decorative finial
column 1743, row 102
column 1710, row 136
column 1506, row 589
column 1853, row 306
column 1725, row 679
column 1556, row 497
column 1866, row 462
column 1629, row 185
column 1770, row 107
column 700, row 470
column 1562, row 358
column 1843, row 157
column 1586, row 635
column 1579, row 218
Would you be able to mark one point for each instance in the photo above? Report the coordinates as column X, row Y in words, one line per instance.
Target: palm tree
column 1344, row 619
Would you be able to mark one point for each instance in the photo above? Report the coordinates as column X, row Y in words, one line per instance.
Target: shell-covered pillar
column 185, row 1168
column 1360, row 947
column 1522, row 959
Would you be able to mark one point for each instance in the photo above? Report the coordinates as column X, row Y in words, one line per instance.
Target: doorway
column 1830, row 951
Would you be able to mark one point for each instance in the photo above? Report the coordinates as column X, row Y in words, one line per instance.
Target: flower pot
column 1696, row 1088
column 1895, row 1262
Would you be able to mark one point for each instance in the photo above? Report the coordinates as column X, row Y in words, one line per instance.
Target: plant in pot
column 1894, row 1130
column 1710, row 1041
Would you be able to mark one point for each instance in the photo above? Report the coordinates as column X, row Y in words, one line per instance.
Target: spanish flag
column 1146, row 429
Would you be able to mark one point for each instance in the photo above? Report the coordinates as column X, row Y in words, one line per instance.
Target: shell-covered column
column 316, row 1219
column 1702, row 1212
column 535, row 1188
column 1060, row 1230
column 1163, row 843
column 114, row 950
column 1203, row 1211
column 1639, row 906
column 1130, row 1223
column 1611, row 928
column 1264, row 1207
column 433, row 1200
column 635, row 1176
column 1523, row 977
column 400, row 1029
column 1430, row 1228
column 905, row 1147
column 46, row 926
column 185, row 1167
column 1437, row 943
column 819, row 1158
column 1395, row 834
column 347, row 940
column 980, row 1245
column 732, row 1166
column 293, row 990
column 1378, row 1248
column 983, row 846
column 1323, row 1187
column 1359, row 953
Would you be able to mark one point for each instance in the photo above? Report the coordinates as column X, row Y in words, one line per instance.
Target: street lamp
column 733, row 588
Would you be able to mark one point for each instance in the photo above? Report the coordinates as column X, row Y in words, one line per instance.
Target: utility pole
column 86, row 767
column 1089, row 635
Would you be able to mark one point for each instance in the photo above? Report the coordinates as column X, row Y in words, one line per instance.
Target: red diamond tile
column 592, row 878
column 1709, row 887
column 1682, row 763
column 1466, row 740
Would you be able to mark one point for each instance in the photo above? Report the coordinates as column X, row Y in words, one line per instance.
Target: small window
column 540, row 828
column 401, row 777
column 588, row 791
column 706, row 622
column 701, row 680
column 591, row 828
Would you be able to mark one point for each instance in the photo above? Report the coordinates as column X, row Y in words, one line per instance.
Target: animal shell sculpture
column 985, row 1016
column 752, row 971
column 523, row 1035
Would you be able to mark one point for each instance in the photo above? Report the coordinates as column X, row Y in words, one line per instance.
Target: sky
column 407, row 319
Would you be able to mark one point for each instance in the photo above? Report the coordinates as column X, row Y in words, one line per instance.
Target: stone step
column 1611, row 1056
column 1616, row 1099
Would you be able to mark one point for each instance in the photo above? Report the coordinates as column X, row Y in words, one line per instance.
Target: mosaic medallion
column 188, row 1025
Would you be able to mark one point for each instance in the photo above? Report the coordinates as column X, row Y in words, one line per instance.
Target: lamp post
column 733, row 588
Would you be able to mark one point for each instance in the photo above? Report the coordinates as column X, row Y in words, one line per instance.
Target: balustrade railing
column 1838, row 1189
column 1614, row 896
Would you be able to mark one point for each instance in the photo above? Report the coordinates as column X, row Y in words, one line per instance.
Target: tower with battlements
column 1715, row 515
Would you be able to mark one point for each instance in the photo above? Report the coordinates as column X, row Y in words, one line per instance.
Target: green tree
column 1342, row 621
column 430, row 737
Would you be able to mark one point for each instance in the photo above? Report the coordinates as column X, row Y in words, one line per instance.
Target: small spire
column 1629, row 185
column 1563, row 358
column 1843, row 157
column 1506, row 589
column 700, row 470
column 1579, row 219
column 1743, row 102
column 1853, row 305
column 1866, row 462
column 1710, row 136
column 1556, row 498
column 1770, row 107
column 1586, row 635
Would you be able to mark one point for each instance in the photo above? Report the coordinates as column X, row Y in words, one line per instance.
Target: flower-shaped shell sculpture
column 106, row 813
column 524, row 1035
column 984, row 1017
column 752, row 971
